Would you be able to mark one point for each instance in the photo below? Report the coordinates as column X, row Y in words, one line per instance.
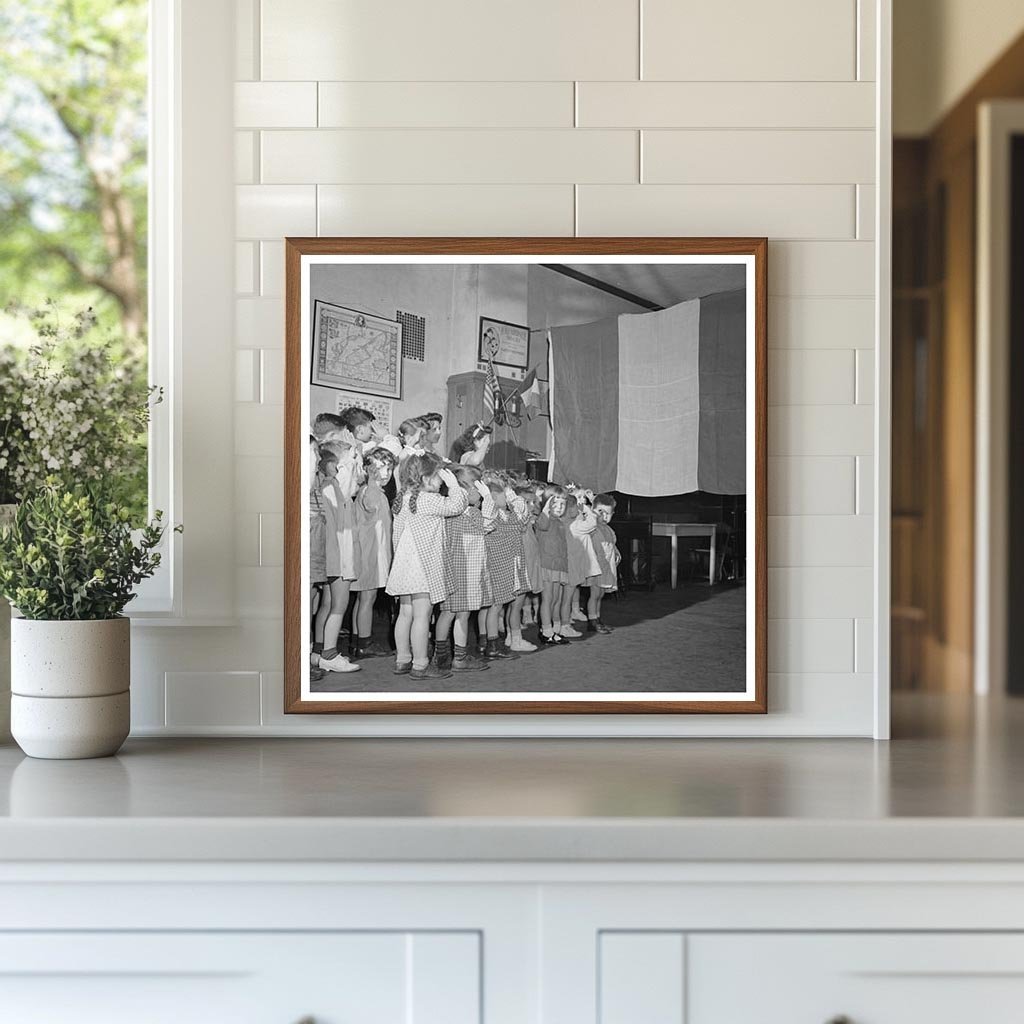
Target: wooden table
column 677, row 530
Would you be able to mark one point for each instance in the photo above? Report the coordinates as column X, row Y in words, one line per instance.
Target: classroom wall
column 555, row 117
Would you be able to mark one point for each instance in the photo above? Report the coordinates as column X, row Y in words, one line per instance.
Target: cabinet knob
column 306, row 1020
column 841, row 1019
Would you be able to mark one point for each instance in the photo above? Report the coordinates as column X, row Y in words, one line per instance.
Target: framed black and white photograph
column 504, row 344
column 561, row 508
column 356, row 350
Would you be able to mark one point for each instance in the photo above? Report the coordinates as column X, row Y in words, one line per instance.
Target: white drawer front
column 866, row 979
column 234, row 978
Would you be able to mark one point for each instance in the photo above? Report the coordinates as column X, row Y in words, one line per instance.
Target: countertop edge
column 460, row 840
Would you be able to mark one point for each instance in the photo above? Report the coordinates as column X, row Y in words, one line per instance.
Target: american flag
column 492, row 393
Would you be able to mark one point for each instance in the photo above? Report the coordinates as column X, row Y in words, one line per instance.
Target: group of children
column 458, row 542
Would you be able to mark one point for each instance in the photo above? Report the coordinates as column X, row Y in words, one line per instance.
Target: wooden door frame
column 998, row 120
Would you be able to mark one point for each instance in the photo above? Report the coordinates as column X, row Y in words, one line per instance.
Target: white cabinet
column 866, row 979
column 238, row 978
column 511, row 943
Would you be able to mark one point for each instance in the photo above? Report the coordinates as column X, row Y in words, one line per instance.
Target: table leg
column 675, row 561
column 713, row 560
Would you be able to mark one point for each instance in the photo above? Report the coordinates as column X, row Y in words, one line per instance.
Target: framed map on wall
column 356, row 351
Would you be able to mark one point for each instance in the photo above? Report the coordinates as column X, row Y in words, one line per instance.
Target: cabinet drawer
column 241, row 978
column 864, row 978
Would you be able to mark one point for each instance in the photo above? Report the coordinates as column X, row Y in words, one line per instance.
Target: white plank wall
column 624, row 117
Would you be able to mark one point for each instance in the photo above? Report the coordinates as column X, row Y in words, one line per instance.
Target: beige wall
column 940, row 47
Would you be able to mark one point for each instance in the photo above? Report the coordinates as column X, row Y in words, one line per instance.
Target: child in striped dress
column 342, row 544
column 418, row 576
column 466, row 564
column 506, row 560
column 373, row 526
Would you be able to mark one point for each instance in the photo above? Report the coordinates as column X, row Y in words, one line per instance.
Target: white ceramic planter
column 6, row 514
column 69, row 685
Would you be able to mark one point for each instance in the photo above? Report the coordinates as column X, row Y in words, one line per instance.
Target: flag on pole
column 532, row 395
column 492, row 393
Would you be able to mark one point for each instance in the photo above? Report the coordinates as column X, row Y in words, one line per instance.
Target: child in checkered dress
column 466, row 568
column 418, row 577
column 506, row 559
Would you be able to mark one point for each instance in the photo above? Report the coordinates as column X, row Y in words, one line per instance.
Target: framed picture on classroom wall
column 587, row 537
column 504, row 344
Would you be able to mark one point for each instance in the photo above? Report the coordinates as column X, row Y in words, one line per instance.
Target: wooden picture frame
column 303, row 255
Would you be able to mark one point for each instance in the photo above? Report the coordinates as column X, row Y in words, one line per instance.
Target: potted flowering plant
column 69, row 563
column 72, row 407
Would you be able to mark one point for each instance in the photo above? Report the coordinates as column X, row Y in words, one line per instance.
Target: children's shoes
column 517, row 643
column 571, row 633
column 339, row 663
column 553, row 640
column 430, row 672
column 496, row 651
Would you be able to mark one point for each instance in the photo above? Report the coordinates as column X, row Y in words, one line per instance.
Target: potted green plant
column 69, row 563
column 74, row 403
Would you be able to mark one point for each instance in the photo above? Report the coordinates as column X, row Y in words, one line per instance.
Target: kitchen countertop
column 949, row 787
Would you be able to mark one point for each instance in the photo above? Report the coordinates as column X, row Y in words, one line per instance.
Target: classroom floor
column 693, row 638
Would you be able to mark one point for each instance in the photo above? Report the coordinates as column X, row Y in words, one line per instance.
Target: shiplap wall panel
column 212, row 698
column 751, row 157
column 750, row 40
column 755, row 105
column 821, row 269
column 866, row 212
column 447, row 105
column 275, row 105
column 820, row 540
column 259, row 323
column 447, row 209
column 809, row 592
column 333, row 95
column 812, row 377
column 271, row 267
column 821, row 430
column 810, row 645
column 821, row 322
column 779, row 211
column 811, row 486
column 865, row 389
column 274, row 211
column 450, row 40
column 864, row 645
column 388, row 156
column 246, row 170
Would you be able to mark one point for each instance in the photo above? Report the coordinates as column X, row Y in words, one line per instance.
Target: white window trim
column 161, row 594
column 191, row 329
